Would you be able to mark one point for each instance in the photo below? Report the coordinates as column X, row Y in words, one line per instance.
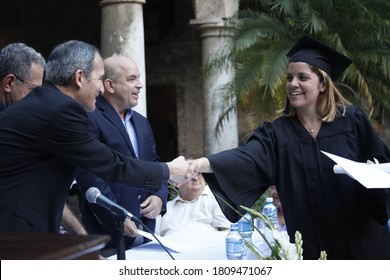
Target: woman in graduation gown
column 332, row 211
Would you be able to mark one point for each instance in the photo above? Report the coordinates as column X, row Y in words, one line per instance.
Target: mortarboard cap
column 319, row 55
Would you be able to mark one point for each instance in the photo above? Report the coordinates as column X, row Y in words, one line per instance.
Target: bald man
column 117, row 125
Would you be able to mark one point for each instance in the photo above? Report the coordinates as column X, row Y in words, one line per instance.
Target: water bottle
column 234, row 244
column 270, row 211
column 245, row 229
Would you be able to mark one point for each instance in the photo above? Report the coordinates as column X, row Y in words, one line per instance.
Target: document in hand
column 372, row 176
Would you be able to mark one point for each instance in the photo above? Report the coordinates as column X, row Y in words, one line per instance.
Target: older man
column 21, row 70
column 44, row 139
column 193, row 210
column 115, row 124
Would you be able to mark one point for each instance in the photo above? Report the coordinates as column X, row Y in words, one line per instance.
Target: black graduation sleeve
column 379, row 198
column 241, row 175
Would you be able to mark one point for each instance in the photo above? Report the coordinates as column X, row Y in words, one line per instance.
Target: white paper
column 372, row 176
column 174, row 245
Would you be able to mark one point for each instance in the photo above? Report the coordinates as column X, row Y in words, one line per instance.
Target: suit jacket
column 106, row 125
column 43, row 139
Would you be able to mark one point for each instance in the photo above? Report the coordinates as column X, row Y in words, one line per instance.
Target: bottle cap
column 269, row 199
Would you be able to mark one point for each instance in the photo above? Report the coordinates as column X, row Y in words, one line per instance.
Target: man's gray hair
column 17, row 58
column 66, row 59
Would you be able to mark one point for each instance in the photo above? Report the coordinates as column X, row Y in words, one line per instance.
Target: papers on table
column 372, row 176
column 174, row 245
column 213, row 240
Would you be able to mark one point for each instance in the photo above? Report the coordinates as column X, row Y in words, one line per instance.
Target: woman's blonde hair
column 330, row 104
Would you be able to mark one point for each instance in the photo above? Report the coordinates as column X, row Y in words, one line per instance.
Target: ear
column 323, row 87
column 109, row 85
column 78, row 78
column 8, row 82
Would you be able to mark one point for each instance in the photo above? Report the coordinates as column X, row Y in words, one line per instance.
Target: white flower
column 288, row 251
column 279, row 246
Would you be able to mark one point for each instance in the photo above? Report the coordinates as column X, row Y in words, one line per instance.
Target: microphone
column 93, row 195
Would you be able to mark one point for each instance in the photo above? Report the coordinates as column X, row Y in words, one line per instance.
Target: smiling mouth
column 296, row 93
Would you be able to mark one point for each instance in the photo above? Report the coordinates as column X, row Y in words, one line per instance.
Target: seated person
column 278, row 204
column 194, row 209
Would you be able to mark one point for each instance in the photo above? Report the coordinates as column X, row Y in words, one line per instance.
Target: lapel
column 113, row 117
column 138, row 127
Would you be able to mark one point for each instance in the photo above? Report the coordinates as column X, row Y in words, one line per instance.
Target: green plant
column 172, row 191
column 280, row 247
column 264, row 30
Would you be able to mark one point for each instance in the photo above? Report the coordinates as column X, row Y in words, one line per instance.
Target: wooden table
column 45, row 246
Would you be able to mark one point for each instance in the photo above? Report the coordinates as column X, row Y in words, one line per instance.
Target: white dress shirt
column 200, row 214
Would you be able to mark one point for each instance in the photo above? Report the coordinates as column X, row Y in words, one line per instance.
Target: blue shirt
column 131, row 131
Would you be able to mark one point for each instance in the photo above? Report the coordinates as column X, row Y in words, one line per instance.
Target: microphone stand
column 120, row 244
column 93, row 195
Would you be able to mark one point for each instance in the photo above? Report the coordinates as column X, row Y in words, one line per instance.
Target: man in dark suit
column 44, row 139
column 21, row 70
column 115, row 124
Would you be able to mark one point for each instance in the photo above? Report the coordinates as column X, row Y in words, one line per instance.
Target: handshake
column 182, row 170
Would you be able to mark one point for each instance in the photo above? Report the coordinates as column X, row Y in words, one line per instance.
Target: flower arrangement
column 280, row 247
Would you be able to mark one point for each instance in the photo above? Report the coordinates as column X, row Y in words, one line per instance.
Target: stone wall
column 177, row 61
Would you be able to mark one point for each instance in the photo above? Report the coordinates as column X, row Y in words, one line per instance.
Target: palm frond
column 264, row 30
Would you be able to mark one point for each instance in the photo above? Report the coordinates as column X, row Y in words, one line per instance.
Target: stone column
column 123, row 34
column 210, row 19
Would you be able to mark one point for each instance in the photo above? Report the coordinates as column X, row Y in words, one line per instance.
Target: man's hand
column 177, row 170
column 151, row 207
column 71, row 223
column 129, row 228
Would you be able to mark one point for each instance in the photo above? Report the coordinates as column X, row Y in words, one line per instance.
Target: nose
column 196, row 177
column 139, row 84
column 293, row 82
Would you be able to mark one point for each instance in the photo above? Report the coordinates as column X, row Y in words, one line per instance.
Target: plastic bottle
column 245, row 229
column 234, row 244
column 270, row 211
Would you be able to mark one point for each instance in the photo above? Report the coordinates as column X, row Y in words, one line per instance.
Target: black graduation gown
column 332, row 211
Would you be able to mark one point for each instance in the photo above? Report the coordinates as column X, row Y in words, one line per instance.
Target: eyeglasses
column 29, row 86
